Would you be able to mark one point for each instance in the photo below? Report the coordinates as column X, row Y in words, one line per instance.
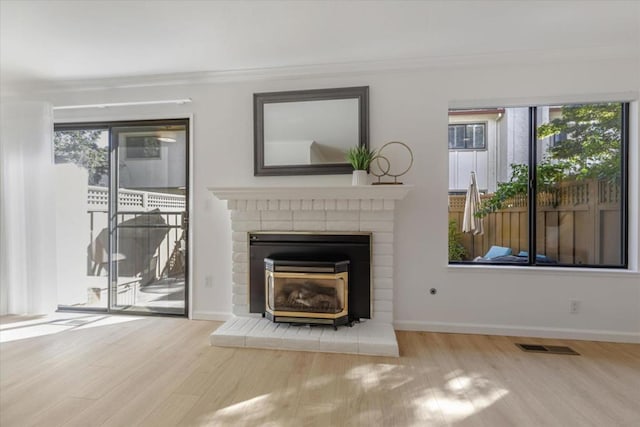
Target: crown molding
column 538, row 56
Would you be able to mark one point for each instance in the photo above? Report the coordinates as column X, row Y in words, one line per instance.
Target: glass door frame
column 113, row 201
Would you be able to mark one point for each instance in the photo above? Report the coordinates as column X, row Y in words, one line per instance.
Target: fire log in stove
column 307, row 291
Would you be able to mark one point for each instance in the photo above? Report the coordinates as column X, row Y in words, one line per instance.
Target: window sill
column 550, row 270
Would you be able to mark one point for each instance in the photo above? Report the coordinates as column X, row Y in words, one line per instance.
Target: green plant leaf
column 360, row 157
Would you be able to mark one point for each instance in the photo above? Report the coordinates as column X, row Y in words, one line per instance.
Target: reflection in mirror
column 310, row 131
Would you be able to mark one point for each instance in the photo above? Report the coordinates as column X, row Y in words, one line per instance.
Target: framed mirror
column 308, row 132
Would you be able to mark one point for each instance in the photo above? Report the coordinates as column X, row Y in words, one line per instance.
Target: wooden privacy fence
column 577, row 223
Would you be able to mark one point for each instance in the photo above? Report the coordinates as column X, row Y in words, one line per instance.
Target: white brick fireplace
column 319, row 209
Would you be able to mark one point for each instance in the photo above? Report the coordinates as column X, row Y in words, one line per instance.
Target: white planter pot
column 360, row 177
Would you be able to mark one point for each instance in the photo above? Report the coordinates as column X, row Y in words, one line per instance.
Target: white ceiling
column 50, row 41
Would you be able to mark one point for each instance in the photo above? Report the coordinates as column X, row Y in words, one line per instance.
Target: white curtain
column 27, row 214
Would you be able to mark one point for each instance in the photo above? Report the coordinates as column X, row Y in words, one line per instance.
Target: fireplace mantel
column 351, row 192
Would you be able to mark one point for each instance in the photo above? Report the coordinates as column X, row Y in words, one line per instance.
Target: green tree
column 591, row 144
column 548, row 174
column 80, row 148
column 589, row 147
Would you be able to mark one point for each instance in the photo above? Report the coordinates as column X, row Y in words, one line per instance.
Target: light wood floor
column 162, row 371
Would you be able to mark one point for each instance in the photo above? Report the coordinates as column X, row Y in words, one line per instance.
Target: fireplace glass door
column 304, row 291
column 308, row 293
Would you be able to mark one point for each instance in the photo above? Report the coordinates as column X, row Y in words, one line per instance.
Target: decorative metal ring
column 410, row 154
column 383, row 172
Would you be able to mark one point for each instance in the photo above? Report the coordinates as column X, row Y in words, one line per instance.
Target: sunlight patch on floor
column 457, row 396
column 317, row 382
column 371, row 375
column 32, row 332
column 246, row 412
column 461, row 396
column 56, row 323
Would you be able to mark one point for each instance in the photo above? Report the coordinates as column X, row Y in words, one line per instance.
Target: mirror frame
column 361, row 93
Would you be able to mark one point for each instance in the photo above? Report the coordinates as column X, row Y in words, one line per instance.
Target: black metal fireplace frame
column 356, row 247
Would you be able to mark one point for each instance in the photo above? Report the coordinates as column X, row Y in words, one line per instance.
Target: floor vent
column 551, row 349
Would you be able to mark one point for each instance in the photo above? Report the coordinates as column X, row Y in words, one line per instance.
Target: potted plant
column 360, row 158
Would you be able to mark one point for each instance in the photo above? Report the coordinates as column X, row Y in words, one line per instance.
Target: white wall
column 409, row 106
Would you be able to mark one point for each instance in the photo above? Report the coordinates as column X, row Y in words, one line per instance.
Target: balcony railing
column 131, row 200
column 159, row 257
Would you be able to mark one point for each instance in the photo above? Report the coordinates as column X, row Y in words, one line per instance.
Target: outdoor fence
column 97, row 198
column 149, row 238
column 577, row 223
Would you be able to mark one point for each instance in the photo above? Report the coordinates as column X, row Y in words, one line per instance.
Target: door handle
column 185, row 220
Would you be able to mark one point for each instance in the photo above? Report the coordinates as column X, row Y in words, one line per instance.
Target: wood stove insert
column 307, row 291
column 327, row 252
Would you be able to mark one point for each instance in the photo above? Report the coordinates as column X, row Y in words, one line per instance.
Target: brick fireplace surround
column 339, row 209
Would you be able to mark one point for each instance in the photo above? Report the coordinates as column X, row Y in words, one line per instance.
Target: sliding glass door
column 137, row 217
column 148, row 219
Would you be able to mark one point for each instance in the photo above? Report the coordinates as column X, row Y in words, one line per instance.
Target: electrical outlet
column 208, row 282
column 574, row 306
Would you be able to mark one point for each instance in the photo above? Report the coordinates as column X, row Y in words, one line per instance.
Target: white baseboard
column 211, row 315
column 518, row 331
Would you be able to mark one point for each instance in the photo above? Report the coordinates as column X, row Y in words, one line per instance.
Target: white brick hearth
column 367, row 338
column 321, row 209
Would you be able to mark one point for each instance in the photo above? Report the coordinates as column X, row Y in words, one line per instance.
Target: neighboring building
column 487, row 142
